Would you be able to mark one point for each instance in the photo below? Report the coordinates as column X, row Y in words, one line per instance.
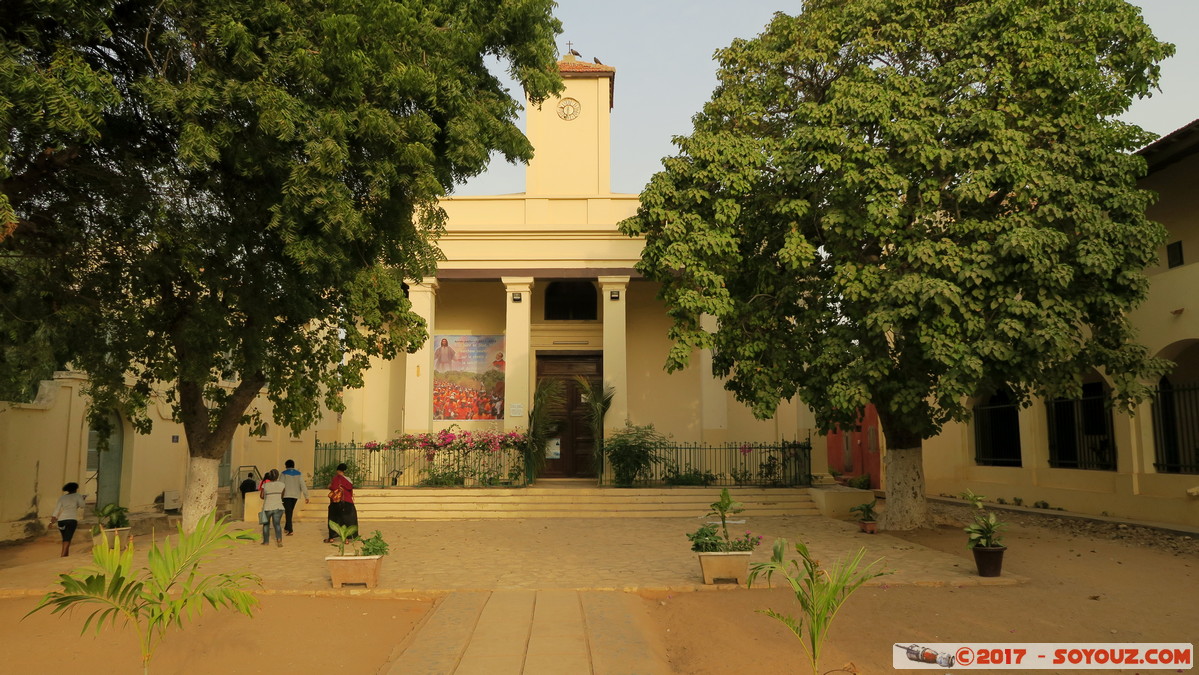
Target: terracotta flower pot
column 868, row 526
column 989, row 560
column 728, row 565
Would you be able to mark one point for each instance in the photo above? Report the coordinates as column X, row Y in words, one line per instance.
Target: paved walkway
column 535, row 596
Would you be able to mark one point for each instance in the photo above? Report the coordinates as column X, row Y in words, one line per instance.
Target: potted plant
column 866, row 517
column 361, row 566
column 721, row 556
column 114, row 523
column 984, row 539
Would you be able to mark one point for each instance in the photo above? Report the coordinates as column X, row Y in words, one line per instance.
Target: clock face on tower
column 568, row 109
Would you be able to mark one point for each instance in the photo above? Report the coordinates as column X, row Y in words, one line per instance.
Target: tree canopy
column 911, row 203
column 227, row 196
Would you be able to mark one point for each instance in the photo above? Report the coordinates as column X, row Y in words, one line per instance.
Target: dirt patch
column 1082, row 588
column 288, row 634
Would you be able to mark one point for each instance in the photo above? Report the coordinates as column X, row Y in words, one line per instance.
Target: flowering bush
column 453, row 439
column 453, row 455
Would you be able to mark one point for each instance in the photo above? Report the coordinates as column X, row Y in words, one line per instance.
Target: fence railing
column 1176, row 429
column 786, row 464
column 373, row 465
column 1081, row 434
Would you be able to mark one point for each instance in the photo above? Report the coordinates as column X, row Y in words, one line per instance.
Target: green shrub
column 860, row 482
column 689, row 477
column 631, row 452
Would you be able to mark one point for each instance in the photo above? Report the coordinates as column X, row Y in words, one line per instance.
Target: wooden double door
column 572, row 453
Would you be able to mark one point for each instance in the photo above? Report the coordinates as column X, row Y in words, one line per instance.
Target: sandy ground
column 1081, row 589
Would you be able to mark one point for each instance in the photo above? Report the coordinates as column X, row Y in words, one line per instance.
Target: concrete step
column 555, row 502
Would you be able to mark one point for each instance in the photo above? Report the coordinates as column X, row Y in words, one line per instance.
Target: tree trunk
column 906, row 506
column 199, row 492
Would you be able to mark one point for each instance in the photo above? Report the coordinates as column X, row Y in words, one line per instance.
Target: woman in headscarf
column 341, row 502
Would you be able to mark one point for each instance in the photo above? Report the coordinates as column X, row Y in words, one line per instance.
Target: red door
column 854, row 453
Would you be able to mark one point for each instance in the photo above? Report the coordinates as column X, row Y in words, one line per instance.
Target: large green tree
column 911, row 203
column 208, row 200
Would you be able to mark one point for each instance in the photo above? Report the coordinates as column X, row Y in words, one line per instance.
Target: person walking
column 341, row 502
column 66, row 514
column 272, row 507
column 293, row 489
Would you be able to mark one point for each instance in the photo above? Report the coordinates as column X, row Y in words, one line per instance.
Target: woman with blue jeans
column 272, row 507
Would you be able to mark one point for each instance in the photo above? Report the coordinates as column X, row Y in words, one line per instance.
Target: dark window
column 1174, row 254
column 1176, row 427
column 997, row 430
column 570, row 301
column 1080, row 431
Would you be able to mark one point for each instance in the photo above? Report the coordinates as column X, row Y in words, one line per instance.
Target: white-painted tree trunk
column 199, row 492
column 906, row 506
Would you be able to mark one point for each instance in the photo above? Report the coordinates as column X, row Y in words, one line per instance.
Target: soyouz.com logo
column 1044, row 656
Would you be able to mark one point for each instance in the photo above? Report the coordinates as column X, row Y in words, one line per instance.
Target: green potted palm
column 983, row 538
column 113, row 525
column 720, row 555
column 867, row 520
column 360, row 567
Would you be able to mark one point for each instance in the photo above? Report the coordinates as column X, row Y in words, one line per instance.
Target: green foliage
column 343, row 534
column 161, row 595
column 631, row 451
column 707, row 539
column 232, row 195
column 374, row 545
column 113, row 516
column 688, row 476
column 865, row 511
column 597, row 399
column 819, row 591
column 906, row 203
column 861, row 482
column 723, row 508
column 984, row 531
column 547, row 400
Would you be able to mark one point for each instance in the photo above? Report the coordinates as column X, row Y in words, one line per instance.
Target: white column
column 518, row 357
column 613, row 296
column 418, row 390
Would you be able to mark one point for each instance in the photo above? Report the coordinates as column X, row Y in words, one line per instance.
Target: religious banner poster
column 468, row 377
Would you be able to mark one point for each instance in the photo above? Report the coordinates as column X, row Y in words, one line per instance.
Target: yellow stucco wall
column 1168, row 325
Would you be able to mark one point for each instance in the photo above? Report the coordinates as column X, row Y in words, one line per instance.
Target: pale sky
column 662, row 51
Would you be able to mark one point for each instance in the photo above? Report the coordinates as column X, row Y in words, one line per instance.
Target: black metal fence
column 786, row 464
column 1176, row 428
column 373, row 465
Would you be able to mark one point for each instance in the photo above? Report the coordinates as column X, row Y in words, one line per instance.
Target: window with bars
column 1081, row 434
column 997, row 430
column 1176, row 427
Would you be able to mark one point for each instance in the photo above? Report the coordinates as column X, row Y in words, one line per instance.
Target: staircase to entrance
column 559, row 498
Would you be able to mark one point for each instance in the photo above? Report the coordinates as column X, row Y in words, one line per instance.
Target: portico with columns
column 549, row 271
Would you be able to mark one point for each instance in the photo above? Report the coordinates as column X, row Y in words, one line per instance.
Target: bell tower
column 571, row 134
